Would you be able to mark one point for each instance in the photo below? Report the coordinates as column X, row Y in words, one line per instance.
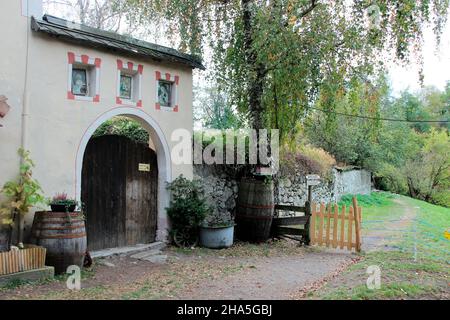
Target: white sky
column 436, row 65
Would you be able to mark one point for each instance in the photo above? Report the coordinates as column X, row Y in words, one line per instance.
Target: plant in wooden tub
column 22, row 195
column 217, row 230
column 62, row 231
column 187, row 210
column 61, row 203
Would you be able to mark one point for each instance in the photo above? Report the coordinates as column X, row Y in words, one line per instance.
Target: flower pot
column 62, row 208
column 217, row 237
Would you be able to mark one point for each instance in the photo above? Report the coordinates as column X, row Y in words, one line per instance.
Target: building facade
column 63, row 80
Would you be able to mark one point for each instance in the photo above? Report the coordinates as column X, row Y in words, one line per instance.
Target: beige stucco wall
column 55, row 126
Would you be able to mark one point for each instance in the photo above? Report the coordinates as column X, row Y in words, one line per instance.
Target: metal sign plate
column 144, row 167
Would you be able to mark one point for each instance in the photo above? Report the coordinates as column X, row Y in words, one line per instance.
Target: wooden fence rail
column 335, row 229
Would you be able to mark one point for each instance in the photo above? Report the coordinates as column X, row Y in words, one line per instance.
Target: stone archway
column 162, row 151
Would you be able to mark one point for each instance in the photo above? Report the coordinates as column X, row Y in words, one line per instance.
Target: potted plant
column 187, row 210
column 61, row 203
column 21, row 196
column 217, row 230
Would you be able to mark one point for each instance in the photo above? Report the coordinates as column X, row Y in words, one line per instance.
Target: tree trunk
column 257, row 72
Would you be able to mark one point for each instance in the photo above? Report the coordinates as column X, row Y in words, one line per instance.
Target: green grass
column 428, row 231
column 18, row 283
column 389, row 291
column 401, row 278
column 378, row 199
column 405, row 275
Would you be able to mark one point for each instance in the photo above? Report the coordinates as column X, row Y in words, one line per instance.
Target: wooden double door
column 119, row 192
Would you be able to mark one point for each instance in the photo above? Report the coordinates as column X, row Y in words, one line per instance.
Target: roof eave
column 38, row 26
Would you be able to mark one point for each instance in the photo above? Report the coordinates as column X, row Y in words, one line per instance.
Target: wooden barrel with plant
column 64, row 236
column 255, row 210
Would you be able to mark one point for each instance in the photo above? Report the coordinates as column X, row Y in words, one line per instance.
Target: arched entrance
column 162, row 158
column 119, row 189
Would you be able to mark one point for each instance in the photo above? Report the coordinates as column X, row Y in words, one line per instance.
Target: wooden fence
column 335, row 229
column 22, row 260
column 297, row 226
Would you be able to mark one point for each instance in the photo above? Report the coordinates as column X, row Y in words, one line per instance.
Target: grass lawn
column 418, row 267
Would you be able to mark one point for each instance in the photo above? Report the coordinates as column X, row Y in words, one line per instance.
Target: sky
column 436, row 60
column 436, row 65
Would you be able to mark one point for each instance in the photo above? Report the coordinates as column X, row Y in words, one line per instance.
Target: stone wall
column 221, row 187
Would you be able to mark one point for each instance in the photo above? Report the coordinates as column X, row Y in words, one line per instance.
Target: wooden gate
column 119, row 192
column 337, row 230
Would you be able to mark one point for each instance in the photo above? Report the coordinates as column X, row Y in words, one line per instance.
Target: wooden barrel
column 255, row 210
column 64, row 236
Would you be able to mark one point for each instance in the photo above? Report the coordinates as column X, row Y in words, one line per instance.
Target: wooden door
column 118, row 193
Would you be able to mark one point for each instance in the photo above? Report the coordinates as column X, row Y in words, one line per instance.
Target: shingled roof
column 92, row 37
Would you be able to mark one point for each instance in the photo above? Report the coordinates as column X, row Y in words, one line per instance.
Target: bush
column 306, row 159
column 441, row 198
column 188, row 206
column 123, row 126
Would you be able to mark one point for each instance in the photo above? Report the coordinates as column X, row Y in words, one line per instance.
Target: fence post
column 308, row 223
column 357, row 225
column 312, row 227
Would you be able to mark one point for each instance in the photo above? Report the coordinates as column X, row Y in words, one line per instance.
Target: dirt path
column 271, row 278
column 269, row 271
column 380, row 235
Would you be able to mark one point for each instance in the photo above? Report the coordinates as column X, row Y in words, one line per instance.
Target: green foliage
column 428, row 173
column 273, row 58
column 188, row 206
column 213, row 111
column 123, row 126
column 24, row 193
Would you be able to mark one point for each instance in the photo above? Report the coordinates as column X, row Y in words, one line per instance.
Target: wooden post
column 327, row 240
column 321, row 217
column 335, row 225
column 350, row 231
column 310, row 194
column 312, row 227
column 357, row 224
column 307, row 239
column 342, row 238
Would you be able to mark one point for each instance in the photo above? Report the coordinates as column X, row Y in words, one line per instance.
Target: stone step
column 156, row 258
column 128, row 250
column 145, row 254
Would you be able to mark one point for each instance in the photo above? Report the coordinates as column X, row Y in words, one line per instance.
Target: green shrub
column 188, row 206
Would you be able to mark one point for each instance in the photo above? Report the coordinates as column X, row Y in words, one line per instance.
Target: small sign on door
column 144, row 167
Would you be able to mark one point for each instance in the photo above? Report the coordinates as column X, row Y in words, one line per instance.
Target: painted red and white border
column 88, row 61
column 137, row 69
column 176, row 81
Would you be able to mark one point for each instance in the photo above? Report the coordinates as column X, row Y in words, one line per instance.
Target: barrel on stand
column 64, row 236
column 255, row 210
